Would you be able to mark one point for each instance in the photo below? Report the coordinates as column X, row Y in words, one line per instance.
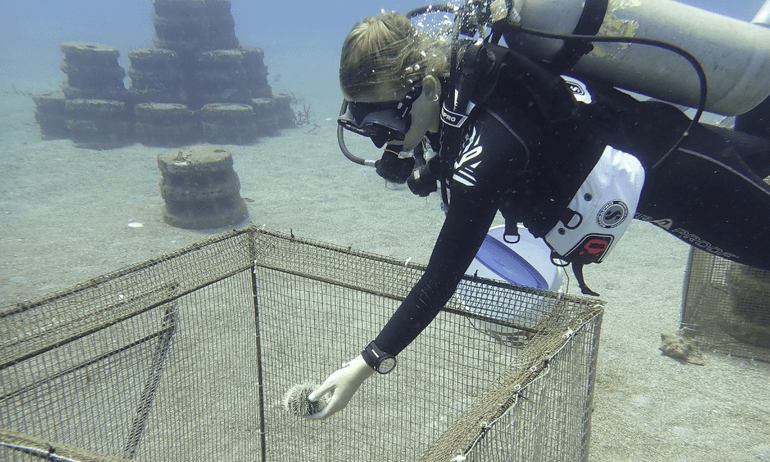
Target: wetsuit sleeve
column 486, row 167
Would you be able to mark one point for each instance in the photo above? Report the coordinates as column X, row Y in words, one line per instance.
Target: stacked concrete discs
column 189, row 26
column 200, row 188
column 228, row 123
column 219, row 76
column 98, row 123
column 197, row 83
column 272, row 114
column 159, row 86
column 92, row 72
column 165, row 124
column 254, row 66
column 94, row 111
column 49, row 114
column 222, row 80
column 157, row 76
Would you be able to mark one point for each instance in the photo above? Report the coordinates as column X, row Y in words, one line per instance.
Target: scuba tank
column 734, row 54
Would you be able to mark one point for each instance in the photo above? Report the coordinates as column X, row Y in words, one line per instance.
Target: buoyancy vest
column 584, row 200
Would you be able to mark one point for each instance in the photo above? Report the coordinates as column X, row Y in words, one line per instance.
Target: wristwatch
column 377, row 359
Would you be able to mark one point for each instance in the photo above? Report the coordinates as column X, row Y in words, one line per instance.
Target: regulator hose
column 341, row 131
column 650, row 42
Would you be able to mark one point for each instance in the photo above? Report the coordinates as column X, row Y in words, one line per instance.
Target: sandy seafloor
column 64, row 215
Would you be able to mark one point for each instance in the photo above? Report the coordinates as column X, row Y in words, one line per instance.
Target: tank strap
column 589, row 24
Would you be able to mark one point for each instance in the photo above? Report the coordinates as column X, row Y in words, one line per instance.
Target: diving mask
column 381, row 122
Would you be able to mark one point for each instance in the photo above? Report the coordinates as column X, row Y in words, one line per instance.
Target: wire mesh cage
column 727, row 306
column 188, row 356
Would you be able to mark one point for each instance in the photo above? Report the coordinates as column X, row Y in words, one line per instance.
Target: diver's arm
column 463, row 232
column 457, row 244
column 464, row 229
column 487, row 166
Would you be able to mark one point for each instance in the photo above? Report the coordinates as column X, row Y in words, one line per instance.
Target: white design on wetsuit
column 579, row 90
column 468, row 160
column 683, row 234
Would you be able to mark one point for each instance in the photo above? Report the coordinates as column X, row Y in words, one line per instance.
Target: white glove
column 342, row 385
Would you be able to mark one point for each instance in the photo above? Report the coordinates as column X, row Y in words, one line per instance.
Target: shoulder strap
column 552, row 94
column 475, row 73
column 469, row 61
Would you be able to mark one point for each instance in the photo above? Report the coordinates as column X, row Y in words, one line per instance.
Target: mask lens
column 382, row 122
column 381, row 125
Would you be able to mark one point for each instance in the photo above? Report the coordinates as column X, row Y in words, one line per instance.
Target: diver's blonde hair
column 387, row 49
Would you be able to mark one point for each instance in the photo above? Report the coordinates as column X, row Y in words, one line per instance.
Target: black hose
column 341, row 131
column 651, row 42
column 341, row 141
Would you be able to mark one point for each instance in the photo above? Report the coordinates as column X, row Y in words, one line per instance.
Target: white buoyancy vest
column 601, row 209
column 603, row 206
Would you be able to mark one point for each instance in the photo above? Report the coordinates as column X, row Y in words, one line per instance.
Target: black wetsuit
column 708, row 193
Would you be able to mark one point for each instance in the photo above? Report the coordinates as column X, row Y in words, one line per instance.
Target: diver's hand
column 342, row 385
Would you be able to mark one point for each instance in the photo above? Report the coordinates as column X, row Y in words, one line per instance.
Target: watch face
column 386, row 365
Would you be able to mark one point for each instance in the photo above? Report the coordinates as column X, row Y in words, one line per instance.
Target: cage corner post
column 253, row 231
column 686, row 289
column 598, row 319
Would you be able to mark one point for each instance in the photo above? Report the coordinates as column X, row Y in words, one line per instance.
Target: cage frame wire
column 517, row 381
column 44, row 449
column 513, row 385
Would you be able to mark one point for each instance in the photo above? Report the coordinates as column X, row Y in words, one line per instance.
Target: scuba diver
column 571, row 157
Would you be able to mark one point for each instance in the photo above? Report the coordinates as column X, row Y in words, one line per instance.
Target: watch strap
column 374, row 356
